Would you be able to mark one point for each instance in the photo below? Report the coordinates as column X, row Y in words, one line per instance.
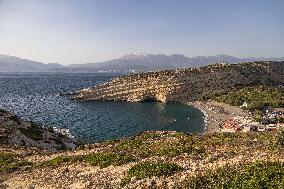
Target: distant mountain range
column 140, row 62
column 15, row 64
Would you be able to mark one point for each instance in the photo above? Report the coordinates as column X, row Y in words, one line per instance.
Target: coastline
column 216, row 113
column 108, row 164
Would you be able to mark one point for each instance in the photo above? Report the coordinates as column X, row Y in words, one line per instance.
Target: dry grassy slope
column 185, row 84
column 148, row 160
column 109, row 164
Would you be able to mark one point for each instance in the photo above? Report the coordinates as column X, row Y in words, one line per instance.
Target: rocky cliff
column 185, row 84
column 15, row 132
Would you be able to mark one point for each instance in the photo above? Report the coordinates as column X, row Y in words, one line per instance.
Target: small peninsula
column 185, row 85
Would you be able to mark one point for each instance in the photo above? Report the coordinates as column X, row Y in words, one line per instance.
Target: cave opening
column 150, row 99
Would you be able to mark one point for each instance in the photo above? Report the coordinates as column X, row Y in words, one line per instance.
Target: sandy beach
column 217, row 113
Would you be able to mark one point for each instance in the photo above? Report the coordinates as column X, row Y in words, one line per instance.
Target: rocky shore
column 15, row 132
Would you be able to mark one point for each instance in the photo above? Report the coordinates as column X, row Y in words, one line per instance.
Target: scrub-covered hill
column 185, row 85
column 151, row 160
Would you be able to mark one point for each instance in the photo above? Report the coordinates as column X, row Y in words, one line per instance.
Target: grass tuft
column 150, row 169
column 59, row 160
column 10, row 162
column 129, row 144
column 34, row 133
column 94, row 159
column 278, row 140
column 172, row 151
column 16, row 119
column 106, row 159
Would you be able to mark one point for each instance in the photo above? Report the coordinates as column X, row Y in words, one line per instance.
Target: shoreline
column 216, row 113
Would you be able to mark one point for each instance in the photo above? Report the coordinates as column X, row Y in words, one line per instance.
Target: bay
column 34, row 96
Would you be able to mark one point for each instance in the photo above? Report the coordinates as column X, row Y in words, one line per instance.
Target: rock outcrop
column 185, row 84
column 16, row 132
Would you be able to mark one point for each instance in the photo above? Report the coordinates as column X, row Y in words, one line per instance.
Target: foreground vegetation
column 172, row 144
column 154, row 157
column 94, row 159
column 10, row 162
column 256, row 97
column 149, row 169
column 243, row 176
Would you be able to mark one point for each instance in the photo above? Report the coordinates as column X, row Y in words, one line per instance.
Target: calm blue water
column 34, row 97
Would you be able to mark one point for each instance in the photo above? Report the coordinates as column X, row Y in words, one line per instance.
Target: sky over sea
column 87, row 31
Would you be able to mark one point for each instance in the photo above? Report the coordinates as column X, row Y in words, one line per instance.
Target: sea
column 35, row 97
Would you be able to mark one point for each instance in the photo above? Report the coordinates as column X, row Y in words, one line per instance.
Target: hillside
column 35, row 157
column 152, row 160
column 185, row 85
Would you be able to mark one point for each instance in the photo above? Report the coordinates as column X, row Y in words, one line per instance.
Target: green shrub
column 256, row 97
column 6, row 158
column 106, row 159
column 2, row 112
column 58, row 160
column 58, row 141
column 15, row 118
column 172, row 151
column 278, row 140
column 9, row 162
column 80, row 144
column 34, row 133
column 149, row 135
column 280, row 120
column 156, row 144
column 94, row 159
column 248, row 176
column 50, row 129
column 129, row 144
column 61, row 144
column 150, row 169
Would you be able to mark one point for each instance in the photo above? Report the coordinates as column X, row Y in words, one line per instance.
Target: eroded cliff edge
column 185, row 85
column 16, row 133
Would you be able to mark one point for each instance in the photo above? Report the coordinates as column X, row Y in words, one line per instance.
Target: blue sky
column 82, row 31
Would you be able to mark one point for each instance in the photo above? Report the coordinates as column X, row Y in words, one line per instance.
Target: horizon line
column 139, row 54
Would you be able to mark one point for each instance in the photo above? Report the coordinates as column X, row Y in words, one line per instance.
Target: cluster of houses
column 269, row 122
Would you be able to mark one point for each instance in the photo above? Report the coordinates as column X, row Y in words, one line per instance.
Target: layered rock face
column 185, row 84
